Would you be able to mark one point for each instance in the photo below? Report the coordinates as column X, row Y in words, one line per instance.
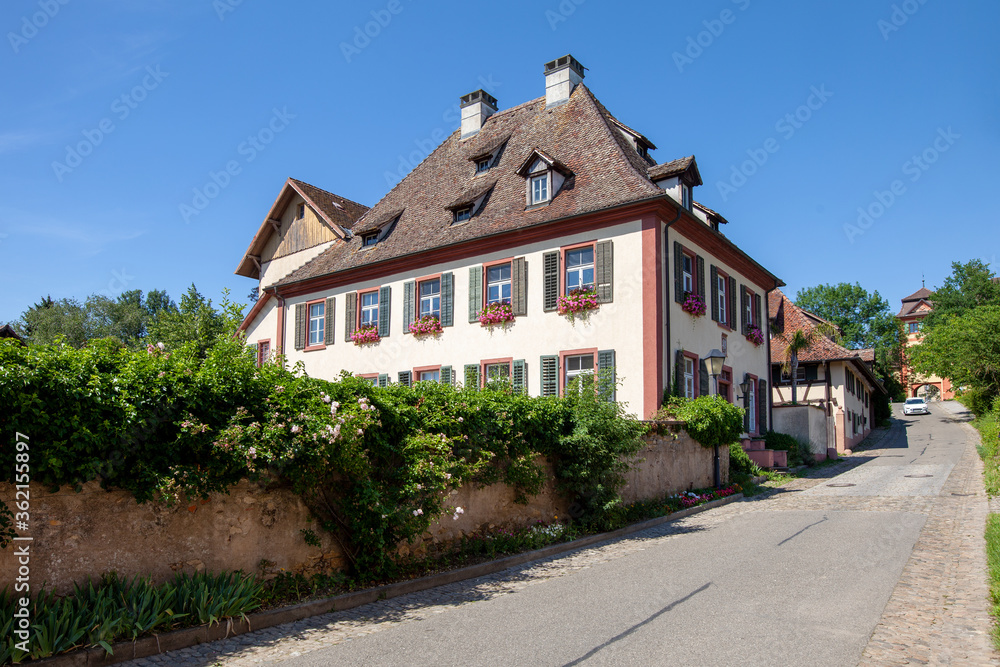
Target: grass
column 993, row 560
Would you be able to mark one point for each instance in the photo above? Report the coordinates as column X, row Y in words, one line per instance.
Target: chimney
column 561, row 77
column 476, row 108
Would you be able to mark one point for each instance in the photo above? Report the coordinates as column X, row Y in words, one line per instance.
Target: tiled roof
column 912, row 302
column 710, row 213
column 795, row 319
column 607, row 171
column 867, row 354
column 340, row 210
column 921, row 293
column 674, row 168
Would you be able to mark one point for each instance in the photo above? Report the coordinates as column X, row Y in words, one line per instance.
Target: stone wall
column 77, row 535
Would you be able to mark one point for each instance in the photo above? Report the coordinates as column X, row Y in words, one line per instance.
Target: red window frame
column 357, row 306
column 262, row 358
column 687, row 252
column 724, row 295
column 727, row 392
column 489, row 362
column 485, row 286
column 416, row 295
column 696, row 380
column 424, row 369
column 592, row 351
column 562, row 262
column 752, row 319
column 309, row 305
column 368, row 376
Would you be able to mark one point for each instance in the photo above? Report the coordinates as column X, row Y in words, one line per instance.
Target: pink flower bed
column 499, row 312
column 578, row 301
column 755, row 336
column 694, row 304
column 366, row 335
column 426, row 325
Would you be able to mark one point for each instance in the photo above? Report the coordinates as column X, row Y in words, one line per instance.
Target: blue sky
column 116, row 111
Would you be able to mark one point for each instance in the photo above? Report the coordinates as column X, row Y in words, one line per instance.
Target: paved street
column 886, row 567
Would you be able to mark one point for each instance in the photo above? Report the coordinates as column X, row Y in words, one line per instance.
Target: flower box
column 694, row 304
column 496, row 313
column 366, row 335
column 578, row 301
column 428, row 325
column 755, row 335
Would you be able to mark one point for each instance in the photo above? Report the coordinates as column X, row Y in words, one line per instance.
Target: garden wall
column 77, row 535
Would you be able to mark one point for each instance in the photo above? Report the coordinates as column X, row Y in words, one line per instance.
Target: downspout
column 666, row 272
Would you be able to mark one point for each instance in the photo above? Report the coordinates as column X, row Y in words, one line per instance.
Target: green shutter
column 679, row 373
column 758, row 311
column 746, row 405
column 383, row 380
column 519, row 286
column 606, row 381
column 447, row 300
column 700, row 268
column 475, row 292
column 409, row 290
column 744, row 325
column 472, row 376
column 604, row 268
column 812, row 373
column 329, row 314
column 350, row 315
column 704, row 379
column 519, row 377
column 300, row 326
column 714, row 279
column 550, row 375
column 446, row 374
column 732, row 303
column 384, row 308
column 406, row 378
column 762, row 406
column 550, row 281
column 678, row 272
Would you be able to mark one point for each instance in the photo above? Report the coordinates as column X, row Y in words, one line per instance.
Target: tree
column 798, row 341
column 195, row 321
column 47, row 320
column 970, row 285
column 865, row 319
column 964, row 348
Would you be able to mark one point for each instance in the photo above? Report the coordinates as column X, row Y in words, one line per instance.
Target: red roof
column 790, row 318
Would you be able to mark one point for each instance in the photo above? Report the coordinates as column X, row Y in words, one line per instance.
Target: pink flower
column 295, row 428
column 417, row 512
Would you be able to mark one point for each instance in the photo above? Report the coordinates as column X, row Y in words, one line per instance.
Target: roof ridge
column 605, row 116
column 334, row 194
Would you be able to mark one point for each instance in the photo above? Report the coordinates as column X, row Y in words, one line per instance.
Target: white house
column 515, row 211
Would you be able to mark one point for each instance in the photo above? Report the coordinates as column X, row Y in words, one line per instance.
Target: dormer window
column 686, row 200
column 539, row 189
column 368, row 240
column 463, row 214
column 642, row 150
column 483, row 165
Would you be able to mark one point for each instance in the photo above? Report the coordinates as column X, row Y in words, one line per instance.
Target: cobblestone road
column 937, row 614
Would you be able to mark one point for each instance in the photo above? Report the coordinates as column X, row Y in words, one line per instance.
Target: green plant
column 786, row 443
column 711, row 420
column 741, row 467
column 993, row 563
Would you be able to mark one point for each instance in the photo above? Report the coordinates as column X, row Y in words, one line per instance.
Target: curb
column 180, row 639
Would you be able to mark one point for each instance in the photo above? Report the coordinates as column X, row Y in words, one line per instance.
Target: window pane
column 430, row 376
column 498, row 283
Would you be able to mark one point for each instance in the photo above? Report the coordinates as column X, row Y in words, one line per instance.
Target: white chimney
column 561, row 77
column 476, row 108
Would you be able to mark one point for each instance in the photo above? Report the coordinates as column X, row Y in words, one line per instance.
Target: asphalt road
column 768, row 587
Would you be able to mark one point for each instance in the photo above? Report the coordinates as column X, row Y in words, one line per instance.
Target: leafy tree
column 970, row 285
column 47, row 320
column 865, row 319
column 964, row 348
column 195, row 321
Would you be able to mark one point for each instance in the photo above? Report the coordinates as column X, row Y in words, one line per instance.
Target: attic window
column 301, row 211
column 686, row 196
column 483, row 165
column 642, row 149
column 368, row 240
column 540, row 189
column 463, row 214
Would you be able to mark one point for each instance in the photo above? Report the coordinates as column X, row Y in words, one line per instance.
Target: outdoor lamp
column 745, row 387
column 716, row 360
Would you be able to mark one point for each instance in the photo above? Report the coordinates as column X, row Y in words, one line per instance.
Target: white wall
column 615, row 326
column 273, row 271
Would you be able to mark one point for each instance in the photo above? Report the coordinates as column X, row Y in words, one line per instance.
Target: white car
column 915, row 406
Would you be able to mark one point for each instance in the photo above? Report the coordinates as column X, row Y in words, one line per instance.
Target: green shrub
column 979, row 401
column 711, row 420
column 785, row 443
column 741, row 467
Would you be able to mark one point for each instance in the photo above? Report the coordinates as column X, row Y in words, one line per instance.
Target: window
column 463, row 214
column 580, row 269
column 723, row 288
column 686, row 196
column 800, row 376
column 430, row 298
column 540, row 189
column 752, row 408
column 370, row 377
column 483, row 165
column 726, row 384
column 317, row 324
column 642, row 150
column 369, row 309
column 689, row 366
column 578, row 366
column 748, row 304
column 263, row 352
column 429, row 376
column 496, row 371
column 301, row 211
column 368, row 240
column 498, row 284
column 687, row 270
column 914, row 327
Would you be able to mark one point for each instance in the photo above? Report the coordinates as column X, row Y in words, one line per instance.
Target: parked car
column 915, row 406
